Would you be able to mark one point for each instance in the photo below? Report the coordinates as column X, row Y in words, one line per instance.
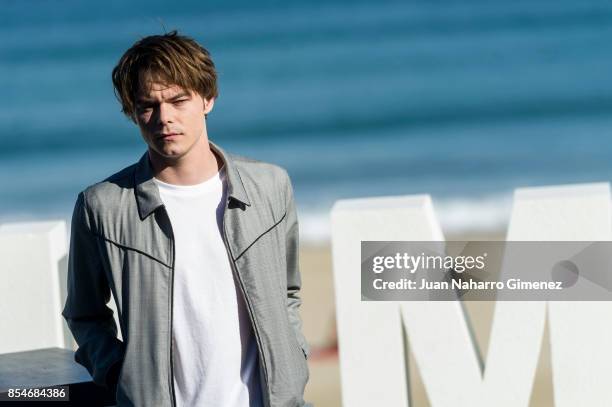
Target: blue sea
column 464, row 100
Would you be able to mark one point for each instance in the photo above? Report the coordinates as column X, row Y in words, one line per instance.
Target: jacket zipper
column 172, row 390
column 265, row 395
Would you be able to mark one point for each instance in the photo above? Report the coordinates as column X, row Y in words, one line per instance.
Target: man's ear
column 208, row 105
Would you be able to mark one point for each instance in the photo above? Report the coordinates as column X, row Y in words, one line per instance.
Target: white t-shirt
column 214, row 349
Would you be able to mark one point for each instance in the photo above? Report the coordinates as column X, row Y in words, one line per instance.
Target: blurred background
column 461, row 99
column 464, row 100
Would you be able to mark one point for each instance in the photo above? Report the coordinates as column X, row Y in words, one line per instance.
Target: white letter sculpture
column 372, row 353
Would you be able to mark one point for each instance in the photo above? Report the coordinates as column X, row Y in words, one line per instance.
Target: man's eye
column 180, row 101
column 145, row 108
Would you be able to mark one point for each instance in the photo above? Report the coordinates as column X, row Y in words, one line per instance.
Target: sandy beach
column 318, row 318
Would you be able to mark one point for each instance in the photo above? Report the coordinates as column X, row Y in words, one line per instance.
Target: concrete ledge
column 51, row 367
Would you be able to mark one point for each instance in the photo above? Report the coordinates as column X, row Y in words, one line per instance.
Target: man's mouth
column 169, row 136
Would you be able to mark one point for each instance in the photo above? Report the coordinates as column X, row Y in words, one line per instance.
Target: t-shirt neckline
column 210, row 184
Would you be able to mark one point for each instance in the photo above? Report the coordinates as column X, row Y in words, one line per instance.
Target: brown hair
column 170, row 58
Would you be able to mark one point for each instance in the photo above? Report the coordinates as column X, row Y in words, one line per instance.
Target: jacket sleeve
column 294, row 281
column 89, row 319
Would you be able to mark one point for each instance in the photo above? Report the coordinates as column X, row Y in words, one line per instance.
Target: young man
column 198, row 247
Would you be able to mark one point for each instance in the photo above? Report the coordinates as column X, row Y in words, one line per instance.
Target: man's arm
column 294, row 281
column 89, row 319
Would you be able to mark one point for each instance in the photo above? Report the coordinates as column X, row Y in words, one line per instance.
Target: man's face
column 171, row 119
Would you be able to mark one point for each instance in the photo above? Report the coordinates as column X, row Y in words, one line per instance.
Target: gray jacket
column 122, row 242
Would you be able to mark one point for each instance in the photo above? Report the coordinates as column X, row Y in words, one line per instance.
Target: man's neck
column 197, row 166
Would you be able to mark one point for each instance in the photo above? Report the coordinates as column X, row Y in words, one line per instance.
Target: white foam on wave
column 456, row 215
column 487, row 213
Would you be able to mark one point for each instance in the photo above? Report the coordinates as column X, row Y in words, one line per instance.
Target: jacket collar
column 147, row 192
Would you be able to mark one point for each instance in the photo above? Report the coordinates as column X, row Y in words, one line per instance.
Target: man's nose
column 165, row 113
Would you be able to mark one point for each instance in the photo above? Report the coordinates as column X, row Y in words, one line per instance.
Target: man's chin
column 170, row 154
column 173, row 156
